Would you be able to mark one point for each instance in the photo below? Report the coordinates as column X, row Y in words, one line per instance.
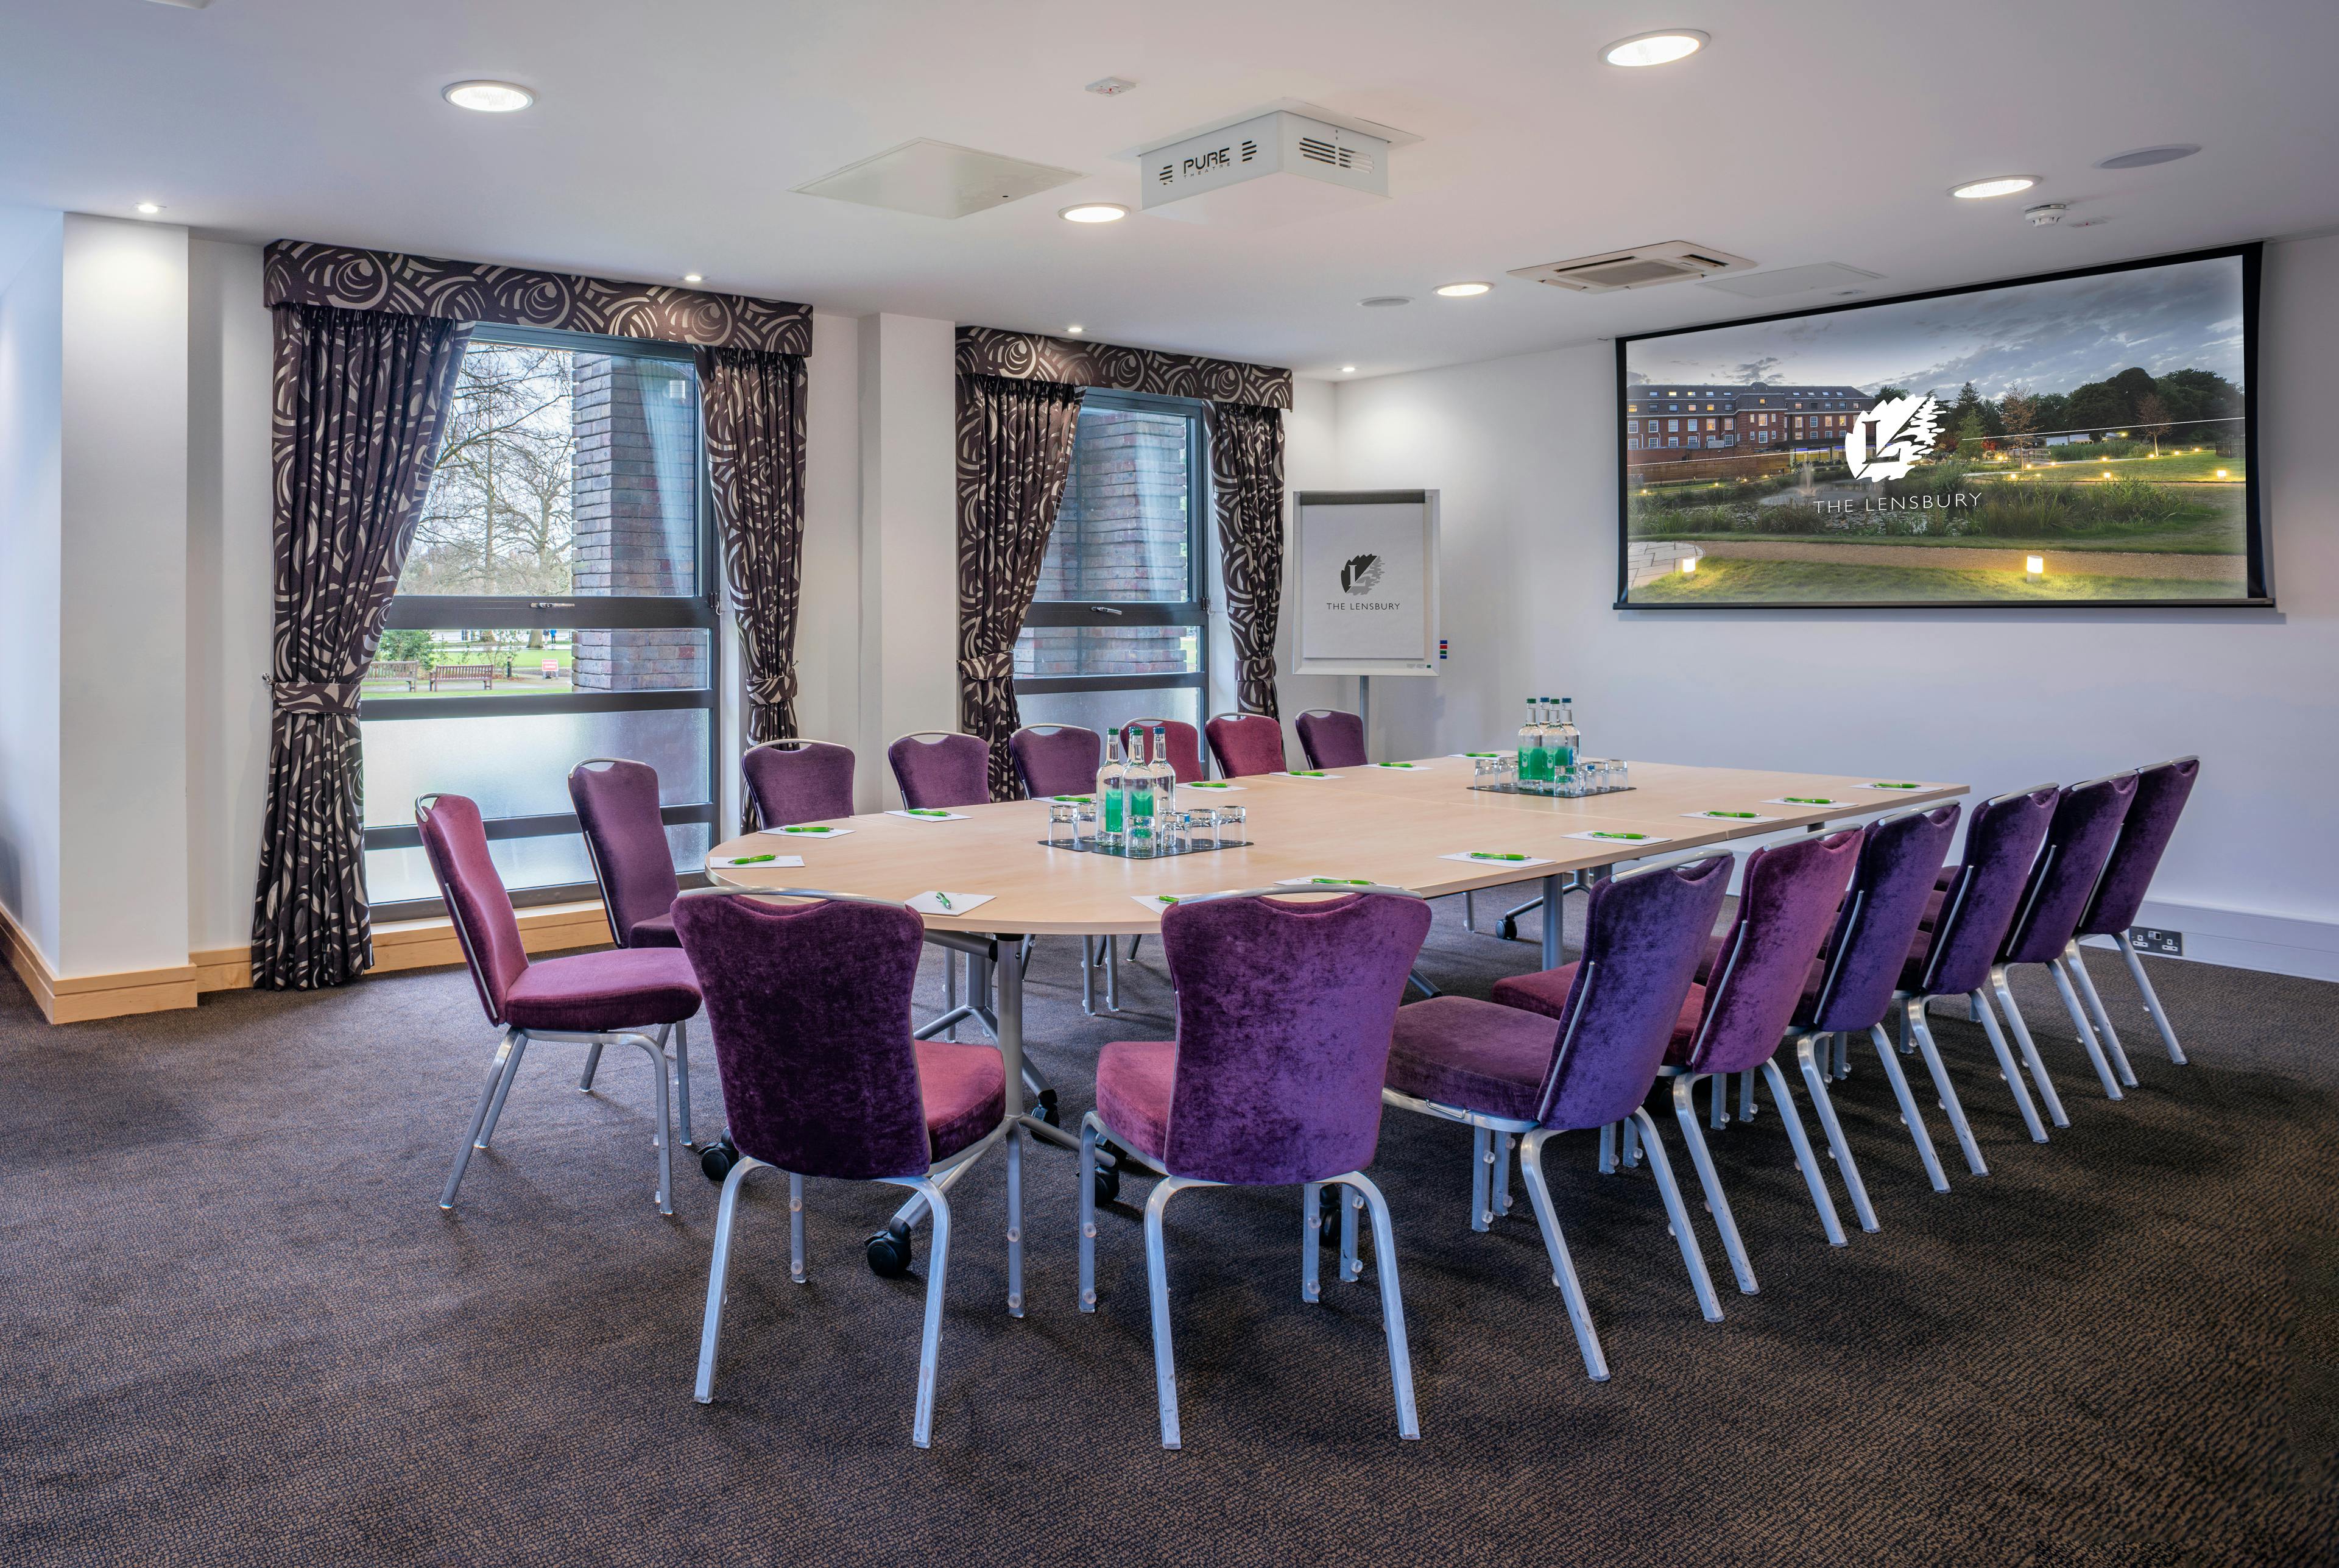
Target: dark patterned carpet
column 238, row 1330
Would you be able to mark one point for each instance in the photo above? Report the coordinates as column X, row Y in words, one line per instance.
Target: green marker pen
column 1341, row 881
column 1880, row 785
column 1622, row 835
column 1309, row 774
column 1738, row 814
column 942, row 899
column 813, row 830
column 1490, row 854
column 753, row 859
column 926, row 811
column 1806, row 799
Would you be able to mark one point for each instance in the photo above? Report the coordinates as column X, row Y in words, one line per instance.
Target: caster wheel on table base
column 717, row 1157
column 889, row 1254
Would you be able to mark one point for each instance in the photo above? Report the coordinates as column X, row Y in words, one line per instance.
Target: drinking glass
column 1232, row 821
column 1205, row 824
column 1063, row 828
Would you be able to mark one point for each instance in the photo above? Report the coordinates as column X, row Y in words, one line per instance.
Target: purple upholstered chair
column 1331, row 739
column 809, row 1004
column 1955, row 951
column 941, row 768
column 2079, row 838
column 1284, row 1015
column 1246, row 744
column 625, row 838
column 796, row 781
column 1185, row 745
column 590, row 999
column 1502, row 1070
column 1056, row 759
column 2160, row 795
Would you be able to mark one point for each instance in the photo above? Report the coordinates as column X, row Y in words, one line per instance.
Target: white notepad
column 789, row 832
column 921, row 816
column 960, row 903
column 1622, row 840
column 1495, row 863
column 1750, row 819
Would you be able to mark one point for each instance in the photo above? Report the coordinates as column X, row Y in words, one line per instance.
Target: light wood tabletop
column 1391, row 825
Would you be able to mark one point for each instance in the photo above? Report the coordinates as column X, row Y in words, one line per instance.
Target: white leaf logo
column 1887, row 442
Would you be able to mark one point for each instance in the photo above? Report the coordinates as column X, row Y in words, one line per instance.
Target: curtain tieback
column 998, row 666
column 775, row 686
column 337, row 698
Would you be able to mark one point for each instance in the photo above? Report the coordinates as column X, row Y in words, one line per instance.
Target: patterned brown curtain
column 1014, row 449
column 360, row 397
column 1247, row 488
column 754, row 421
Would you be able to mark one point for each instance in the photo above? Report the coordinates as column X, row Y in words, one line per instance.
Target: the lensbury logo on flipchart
column 1359, row 574
column 1887, row 442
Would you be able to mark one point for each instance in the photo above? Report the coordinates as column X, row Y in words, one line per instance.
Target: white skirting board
column 2248, row 939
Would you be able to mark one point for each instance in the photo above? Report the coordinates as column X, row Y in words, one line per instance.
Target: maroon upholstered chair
column 941, row 768
column 1246, row 744
column 2079, row 839
column 1957, row 947
column 796, row 781
column 1056, row 759
column 1787, row 903
column 1331, row 739
column 809, row 1004
column 1503, row 1070
column 625, row 838
column 1284, row 1014
column 1185, row 745
column 590, row 999
column 2161, row 791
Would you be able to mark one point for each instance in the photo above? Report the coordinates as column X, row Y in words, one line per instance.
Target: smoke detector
column 2043, row 214
column 1643, row 267
column 1270, row 168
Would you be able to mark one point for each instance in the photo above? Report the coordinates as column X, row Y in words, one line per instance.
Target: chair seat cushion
column 623, row 988
column 1546, row 993
column 656, row 932
column 965, row 1089
column 1133, row 1081
column 1473, row 1055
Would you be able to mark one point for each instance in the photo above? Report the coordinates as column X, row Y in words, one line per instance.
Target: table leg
column 1553, row 922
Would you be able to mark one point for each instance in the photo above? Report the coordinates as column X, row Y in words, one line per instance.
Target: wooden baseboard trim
column 81, row 998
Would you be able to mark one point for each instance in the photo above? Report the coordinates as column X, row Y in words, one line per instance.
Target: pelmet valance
column 301, row 273
column 1072, row 363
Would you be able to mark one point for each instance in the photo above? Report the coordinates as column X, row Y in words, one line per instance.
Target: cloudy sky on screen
column 2043, row 336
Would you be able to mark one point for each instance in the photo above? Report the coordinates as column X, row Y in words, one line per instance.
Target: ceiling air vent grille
column 1643, row 267
column 1249, row 150
column 1316, row 149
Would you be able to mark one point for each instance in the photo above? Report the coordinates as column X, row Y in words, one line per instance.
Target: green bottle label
column 1112, row 811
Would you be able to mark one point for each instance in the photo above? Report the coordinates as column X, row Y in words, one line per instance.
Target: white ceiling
column 668, row 136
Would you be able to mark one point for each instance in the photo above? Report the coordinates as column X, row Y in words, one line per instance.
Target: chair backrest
column 1056, row 759
column 1986, row 893
column 1644, row 936
column 1332, row 739
column 2160, row 795
column 1284, row 1014
column 625, row 836
column 1185, row 745
column 2079, row 839
column 809, row 1004
column 938, row 768
column 1900, row 857
column 457, row 844
column 798, row 780
column 1246, row 744
column 1787, row 903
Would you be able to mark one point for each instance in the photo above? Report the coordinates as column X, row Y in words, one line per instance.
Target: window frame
column 1193, row 610
column 699, row 610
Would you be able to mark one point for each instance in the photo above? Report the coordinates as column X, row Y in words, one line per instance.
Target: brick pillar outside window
column 635, row 502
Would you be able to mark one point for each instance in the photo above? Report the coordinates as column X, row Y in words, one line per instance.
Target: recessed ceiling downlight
column 1659, row 48
column 148, row 208
column 1383, row 302
column 693, row 278
column 1996, row 185
column 489, row 97
column 1094, row 213
column 2146, row 157
column 1461, row 290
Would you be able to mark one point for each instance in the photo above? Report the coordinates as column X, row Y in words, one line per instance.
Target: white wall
column 1523, row 450
column 32, row 389
column 828, row 614
column 1311, row 461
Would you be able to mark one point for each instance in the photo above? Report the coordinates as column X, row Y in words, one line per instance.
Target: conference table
column 1393, row 825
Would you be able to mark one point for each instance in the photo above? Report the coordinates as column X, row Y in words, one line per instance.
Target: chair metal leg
column 1311, row 1238
column 2004, row 988
column 1913, row 1026
column 1352, row 1268
column 1717, row 1094
column 718, row 1272
column 1469, row 912
column 682, row 1081
column 499, row 1069
column 1746, row 1097
column 1563, row 1268
column 2007, row 1067
column 1842, row 1055
column 1806, row 1059
column 1408, row 1422
column 1716, row 1202
column 1157, row 1275
column 2087, row 1032
column 929, row 1341
column 1112, row 974
column 1632, row 1144
column 1089, row 1132
column 663, row 1138
column 2151, row 999
column 592, row 1064
column 795, row 1228
column 950, row 989
column 1501, row 1197
column 1481, row 1159
column 1678, row 1213
column 486, row 1132
column 1015, row 1219
column 1608, row 1149
column 1412, row 979
column 2076, row 964
column 1813, row 1177
column 1088, row 975
column 1909, row 1117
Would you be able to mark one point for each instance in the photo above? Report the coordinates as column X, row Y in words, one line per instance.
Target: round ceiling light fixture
column 1661, row 47
column 1996, row 185
column 148, row 208
column 2146, row 157
column 1076, row 329
column 1093, row 212
column 1383, row 302
column 487, row 97
column 1348, row 370
column 693, row 278
column 1461, row 290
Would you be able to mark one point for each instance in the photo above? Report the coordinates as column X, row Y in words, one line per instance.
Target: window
column 559, row 602
column 1119, row 628
column 1632, row 442
column 1632, row 427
